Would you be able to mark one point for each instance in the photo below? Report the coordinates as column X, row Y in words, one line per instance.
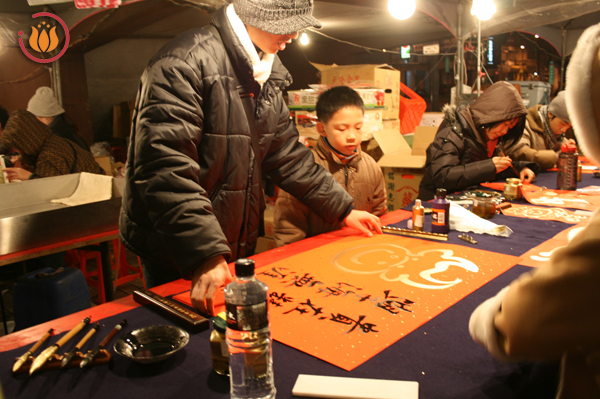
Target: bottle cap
column 244, row 267
column 418, row 202
column 570, row 148
column 440, row 192
column 220, row 323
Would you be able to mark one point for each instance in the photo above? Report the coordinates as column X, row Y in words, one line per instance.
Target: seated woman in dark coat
column 467, row 148
column 44, row 153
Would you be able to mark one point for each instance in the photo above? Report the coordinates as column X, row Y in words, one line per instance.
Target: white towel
column 91, row 188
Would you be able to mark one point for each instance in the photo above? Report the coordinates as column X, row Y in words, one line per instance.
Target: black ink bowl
column 152, row 344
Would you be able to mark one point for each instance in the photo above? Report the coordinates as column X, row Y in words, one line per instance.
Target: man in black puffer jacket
column 193, row 197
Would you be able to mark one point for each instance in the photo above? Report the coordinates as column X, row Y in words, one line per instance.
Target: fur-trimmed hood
column 583, row 91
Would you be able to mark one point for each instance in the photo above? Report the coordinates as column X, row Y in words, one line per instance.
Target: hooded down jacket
column 458, row 156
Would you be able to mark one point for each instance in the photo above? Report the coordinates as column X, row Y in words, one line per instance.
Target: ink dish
column 152, row 344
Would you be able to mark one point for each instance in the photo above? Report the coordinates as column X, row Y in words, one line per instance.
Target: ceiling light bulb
column 483, row 9
column 304, row 39
column 402, row 9
column 522, row 47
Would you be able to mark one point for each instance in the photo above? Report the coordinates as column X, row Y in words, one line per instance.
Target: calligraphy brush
column 69, row 356
column 511, row 165
column 90, row 356
column 48, row 352
column 31, row 351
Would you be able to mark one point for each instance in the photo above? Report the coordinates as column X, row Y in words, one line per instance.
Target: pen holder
column 54, row 362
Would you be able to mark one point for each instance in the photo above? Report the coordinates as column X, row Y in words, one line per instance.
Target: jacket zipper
column 346, row 174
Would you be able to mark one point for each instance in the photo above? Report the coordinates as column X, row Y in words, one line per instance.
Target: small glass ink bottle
column 218, row 346
column 418, row 216
column 440, row 213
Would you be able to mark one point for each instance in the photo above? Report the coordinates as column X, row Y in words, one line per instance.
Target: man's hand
column 364, row 222
column 17, row 174
column 205, row 282
column 501, row 163
column 526, row 175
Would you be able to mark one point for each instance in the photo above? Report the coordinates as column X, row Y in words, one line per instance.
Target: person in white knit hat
column 209, row 123
column 552, row 313
column 46, row 108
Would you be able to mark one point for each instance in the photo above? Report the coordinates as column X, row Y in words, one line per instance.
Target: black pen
column 90, row 356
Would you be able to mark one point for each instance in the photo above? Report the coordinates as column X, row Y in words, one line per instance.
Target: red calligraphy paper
column 541, row 254
column 346, row 301
column 500, row 186
column 544, row 213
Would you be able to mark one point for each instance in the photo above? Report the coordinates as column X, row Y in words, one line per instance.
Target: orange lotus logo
column 44, row 39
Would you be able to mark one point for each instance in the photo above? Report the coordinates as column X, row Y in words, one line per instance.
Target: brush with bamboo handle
column 47, row 353
column 69, row 356
column 31, row 351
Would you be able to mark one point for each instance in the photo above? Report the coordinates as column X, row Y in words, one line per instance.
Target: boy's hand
column 364, row 222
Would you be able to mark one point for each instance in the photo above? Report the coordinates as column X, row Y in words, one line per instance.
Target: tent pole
column 478, row 57
column 562, row 59
column 460, row 55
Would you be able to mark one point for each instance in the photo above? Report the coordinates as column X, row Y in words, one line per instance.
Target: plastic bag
column 462, row 219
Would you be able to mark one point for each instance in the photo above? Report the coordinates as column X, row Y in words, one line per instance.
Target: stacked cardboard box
column 382, row 77
column 403, row 167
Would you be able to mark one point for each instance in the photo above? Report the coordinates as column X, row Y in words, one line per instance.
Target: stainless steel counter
column 28, row 218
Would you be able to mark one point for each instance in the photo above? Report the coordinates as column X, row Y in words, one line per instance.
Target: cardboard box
column 432, row 119
column 269, row 220
column 264, row 244
column 104, row 162
column 379, row 76
column 403, row 166
column 307, row 99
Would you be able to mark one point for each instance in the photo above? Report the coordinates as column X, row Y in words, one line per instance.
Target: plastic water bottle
column 248, row 336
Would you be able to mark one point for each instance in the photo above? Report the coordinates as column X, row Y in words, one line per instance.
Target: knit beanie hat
column 558, row 107
column 44, row 104
column 279, row 17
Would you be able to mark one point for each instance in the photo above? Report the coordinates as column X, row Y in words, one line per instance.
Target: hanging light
column 402, row 9
column 304, row 39
column 483, row 9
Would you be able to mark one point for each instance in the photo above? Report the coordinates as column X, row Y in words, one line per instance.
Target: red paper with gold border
column 346, row 301
column 563, row 199
column 540, row 255
column 544, row 213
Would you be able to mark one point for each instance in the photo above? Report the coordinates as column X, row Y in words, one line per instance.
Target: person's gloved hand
column 481, row 325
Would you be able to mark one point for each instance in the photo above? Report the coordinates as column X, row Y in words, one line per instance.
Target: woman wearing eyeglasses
column 467, row 148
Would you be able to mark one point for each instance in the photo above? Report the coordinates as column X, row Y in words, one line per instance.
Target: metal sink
column 28, row 218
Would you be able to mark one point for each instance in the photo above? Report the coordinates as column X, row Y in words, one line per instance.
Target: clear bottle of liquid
column 418, row 216
column 248, row 336
column 567, row 167
column 440, row 213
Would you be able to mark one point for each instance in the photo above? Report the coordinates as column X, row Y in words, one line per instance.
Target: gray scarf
column 550, row 136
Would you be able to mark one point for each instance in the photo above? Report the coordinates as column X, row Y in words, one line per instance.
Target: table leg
column 107, row 271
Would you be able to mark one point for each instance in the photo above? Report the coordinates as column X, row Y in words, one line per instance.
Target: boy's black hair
column 3, row 117
column 336, row 98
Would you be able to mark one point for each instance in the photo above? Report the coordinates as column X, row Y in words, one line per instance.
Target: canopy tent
column 111, row 71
